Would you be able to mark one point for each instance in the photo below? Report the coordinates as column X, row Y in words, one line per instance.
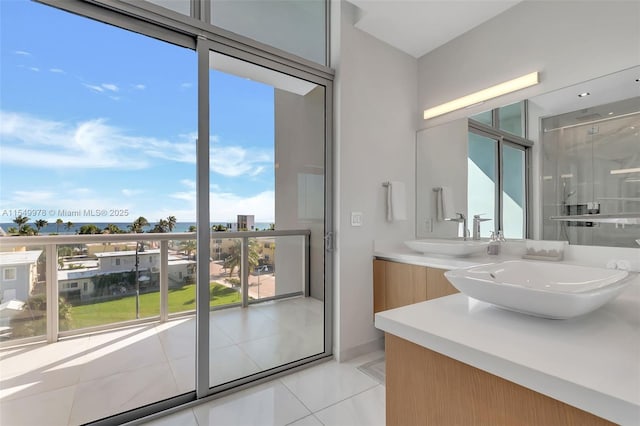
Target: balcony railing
column 88, row 283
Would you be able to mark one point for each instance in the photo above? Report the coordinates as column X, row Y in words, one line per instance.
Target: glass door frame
column 204, row 47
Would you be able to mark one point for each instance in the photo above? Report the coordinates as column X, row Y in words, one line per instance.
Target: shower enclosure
column 591, row 165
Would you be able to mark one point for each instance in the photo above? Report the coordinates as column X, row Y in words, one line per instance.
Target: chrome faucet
column 476, row 226
column 461, row 218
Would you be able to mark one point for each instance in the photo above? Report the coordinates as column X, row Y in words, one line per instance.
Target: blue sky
column 96, row 117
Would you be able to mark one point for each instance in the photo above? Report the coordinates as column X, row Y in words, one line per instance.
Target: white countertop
column 591, row 362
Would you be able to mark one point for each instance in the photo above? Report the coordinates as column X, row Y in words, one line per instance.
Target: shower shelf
column 620, row 218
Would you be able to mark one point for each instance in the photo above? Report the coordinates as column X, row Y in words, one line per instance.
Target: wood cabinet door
column 405, row 284
column 379, row 284
column 437, row 284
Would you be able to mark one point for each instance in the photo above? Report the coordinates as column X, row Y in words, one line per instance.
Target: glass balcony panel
column 23, row 300
column 109, row 283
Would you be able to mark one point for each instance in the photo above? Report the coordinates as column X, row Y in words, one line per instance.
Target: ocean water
column 52, row 228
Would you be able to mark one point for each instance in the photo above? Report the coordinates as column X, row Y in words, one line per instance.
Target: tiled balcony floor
column 86, row 378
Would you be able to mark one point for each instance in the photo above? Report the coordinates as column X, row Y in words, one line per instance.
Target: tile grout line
column 345, row 399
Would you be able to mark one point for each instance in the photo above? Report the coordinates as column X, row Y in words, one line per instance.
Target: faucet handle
column 477, row 218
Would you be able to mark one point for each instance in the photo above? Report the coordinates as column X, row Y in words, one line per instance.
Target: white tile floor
column 331, row 393
column 86, row 378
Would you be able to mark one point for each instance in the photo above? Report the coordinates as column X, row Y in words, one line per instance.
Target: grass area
column 124, row 309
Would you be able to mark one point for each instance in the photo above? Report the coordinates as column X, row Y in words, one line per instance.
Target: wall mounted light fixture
column 483, row 95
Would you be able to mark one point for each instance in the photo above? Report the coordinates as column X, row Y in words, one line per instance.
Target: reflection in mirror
column 589, row 164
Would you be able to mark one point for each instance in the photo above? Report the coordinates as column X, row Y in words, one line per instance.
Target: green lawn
column 182, row 299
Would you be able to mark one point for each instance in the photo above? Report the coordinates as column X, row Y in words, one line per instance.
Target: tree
column 40, row 223
column 218, row 228
column 138, row 225
column 192, row 228
column 68, row 226
column 188, row 246
column 21, row 221
column 112, row 228
column 89, row 229
column 172, row 221
column 58, row 223
column 234, row 260
column 161, row 227
column 12, row 230
column 27, row 230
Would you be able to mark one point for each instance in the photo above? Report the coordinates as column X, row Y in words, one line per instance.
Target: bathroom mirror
column 585, row 160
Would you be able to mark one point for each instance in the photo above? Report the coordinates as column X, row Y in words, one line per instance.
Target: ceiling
column 419, row 26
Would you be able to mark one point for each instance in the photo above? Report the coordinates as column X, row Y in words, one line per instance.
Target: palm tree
column 138, row 224
column 218, row 228
column 58, row 223
column 112, row 228
column 189, row 246
column 40, row 223
column 27, row 230
column 89, row 229
column 171, row 222
column 192, row 228
column 68, row 226
column 234, row 260
column 161, row 227
column 21, row 222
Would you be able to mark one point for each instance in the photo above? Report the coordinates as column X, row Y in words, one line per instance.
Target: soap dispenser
column 494, row 245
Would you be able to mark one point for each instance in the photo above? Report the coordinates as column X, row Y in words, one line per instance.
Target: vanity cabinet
column 398, row 284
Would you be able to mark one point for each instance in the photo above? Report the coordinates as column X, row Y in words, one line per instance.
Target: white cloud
column 110, row 86
column 186, row 85
column 57, row 70
column 32, row 197
column 51, row 204
column 22, row 53
column 226, row 206
column 140, row 86
column 35, row 142
column 236, row 161
column 93, row 87
column 34, row 69
column 131, row 192
column 191, row 184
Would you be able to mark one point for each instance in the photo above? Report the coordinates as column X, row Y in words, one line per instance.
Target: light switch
column 356, row 218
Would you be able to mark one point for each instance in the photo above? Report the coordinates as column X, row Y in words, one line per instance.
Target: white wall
column 567, row 41
column 442, row 152
column 299, row 189
column 375, row 106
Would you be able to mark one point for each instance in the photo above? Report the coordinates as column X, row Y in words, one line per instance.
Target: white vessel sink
column 449, row 247
column 543, row 289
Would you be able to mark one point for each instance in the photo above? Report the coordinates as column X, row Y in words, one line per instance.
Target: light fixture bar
column 622, row 171
column 483, row 95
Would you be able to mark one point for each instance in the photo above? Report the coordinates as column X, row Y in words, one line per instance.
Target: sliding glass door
column 266, row 156
column 199, row 171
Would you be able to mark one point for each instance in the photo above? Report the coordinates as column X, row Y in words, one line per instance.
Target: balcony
column 135, row 339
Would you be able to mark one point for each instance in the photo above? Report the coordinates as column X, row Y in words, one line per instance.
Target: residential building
column 18, row 274
column 79, row 284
